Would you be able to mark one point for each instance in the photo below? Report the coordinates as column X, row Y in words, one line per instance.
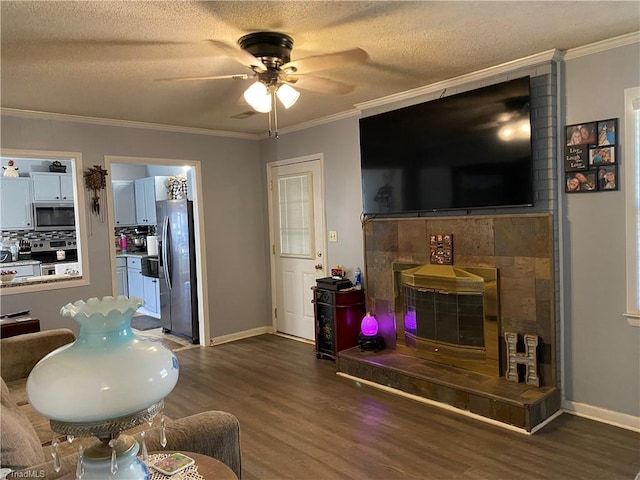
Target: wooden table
column 208, row 467
column 16, row 326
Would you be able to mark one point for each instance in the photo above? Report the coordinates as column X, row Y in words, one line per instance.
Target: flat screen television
column 467, row 151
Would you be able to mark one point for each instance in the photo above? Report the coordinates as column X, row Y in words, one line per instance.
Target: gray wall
column 601, row 353
column 238, row 296
column 339, row 143
column 601, row 350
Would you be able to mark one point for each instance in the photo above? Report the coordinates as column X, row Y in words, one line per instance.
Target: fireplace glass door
column 447, row 317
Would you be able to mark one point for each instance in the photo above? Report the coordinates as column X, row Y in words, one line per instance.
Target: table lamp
column 369, row 338
column 107, row 381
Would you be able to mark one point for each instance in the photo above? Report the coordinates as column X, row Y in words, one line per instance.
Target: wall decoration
column 177, row 186
column 590, row 162
column 581, row 134
column 10, row 170
column 583, row 181
column 602, row 156
column 528, row 358
column 96, row 180
column 441, row 249
column 607, row 132
column 608, row 178
column 576, row 158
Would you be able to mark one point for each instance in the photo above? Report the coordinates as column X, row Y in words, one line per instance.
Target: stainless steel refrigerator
column 177, row 269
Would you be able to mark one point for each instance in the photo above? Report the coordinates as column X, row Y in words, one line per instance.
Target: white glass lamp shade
column 287, row 95
column 108, row 372
column 259, row 97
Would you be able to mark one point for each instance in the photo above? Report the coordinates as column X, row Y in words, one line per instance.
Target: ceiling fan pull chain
column 275, row 111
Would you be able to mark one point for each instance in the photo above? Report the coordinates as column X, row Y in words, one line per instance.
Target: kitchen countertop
column 134, row 254
column 18, row 282
column 20, row 263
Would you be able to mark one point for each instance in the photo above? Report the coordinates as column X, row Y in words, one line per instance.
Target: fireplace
column 449, row 315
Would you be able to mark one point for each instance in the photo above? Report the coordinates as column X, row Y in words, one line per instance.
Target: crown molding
column 508, row 67
column 14, row 112
column 604, row 45
column 316, row 122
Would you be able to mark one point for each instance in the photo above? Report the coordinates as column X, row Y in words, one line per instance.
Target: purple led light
column 369, row 326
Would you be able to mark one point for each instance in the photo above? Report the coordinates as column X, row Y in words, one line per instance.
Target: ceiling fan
column 268, row 55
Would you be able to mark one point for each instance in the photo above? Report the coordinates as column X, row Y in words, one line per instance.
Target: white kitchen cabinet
column 134, row 277
column 148, row 191
column 121, row 276
column 23, row 271
column 15, row 211
column 124, row 202
column 52, row 187
column 151, row 289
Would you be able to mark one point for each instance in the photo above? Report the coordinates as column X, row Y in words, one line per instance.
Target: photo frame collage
column 590, row 157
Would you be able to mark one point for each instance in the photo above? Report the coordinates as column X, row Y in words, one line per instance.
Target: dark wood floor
column 299, row 420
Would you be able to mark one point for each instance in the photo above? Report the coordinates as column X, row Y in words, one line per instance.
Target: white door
column 296, row 199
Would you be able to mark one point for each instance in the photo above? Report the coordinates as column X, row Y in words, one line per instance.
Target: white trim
column 448, row 407
column 316, row 122
column 633, row 320
column 199, row 230
column 232, row 337
column 508, row 67
column 81, row 220
column 632, row 193
column 13, row 112
column 561, row 199
column 617, row 419
column 603, row 46
column 272, row 263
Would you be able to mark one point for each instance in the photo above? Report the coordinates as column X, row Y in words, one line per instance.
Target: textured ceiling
column 103, row 58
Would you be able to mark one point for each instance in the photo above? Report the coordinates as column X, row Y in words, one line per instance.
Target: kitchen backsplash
column 10, row 237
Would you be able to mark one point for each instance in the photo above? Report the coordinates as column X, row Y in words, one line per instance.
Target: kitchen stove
column 52, row 245
column 54, row 252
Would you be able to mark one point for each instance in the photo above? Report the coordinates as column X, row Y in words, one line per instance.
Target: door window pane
column 296, row 234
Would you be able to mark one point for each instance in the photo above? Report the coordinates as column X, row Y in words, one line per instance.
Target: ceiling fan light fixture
column 258, row 96
column 287, row 95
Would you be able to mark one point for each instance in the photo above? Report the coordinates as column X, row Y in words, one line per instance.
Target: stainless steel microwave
column 50, row 216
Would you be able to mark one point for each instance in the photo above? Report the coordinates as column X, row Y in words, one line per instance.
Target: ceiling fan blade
column 318, row 84
column 239, row 55
column 236, row 76
column 325, row 62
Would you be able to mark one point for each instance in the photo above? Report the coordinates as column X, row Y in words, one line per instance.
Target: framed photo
column 580, row 182
column 608, row 178
column 600, row 156
column 608, row 132
column 581, row 134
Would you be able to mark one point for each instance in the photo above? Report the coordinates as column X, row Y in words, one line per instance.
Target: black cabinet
column 338, row 315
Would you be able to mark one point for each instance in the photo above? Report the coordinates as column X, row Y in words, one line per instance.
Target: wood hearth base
column 517, row 404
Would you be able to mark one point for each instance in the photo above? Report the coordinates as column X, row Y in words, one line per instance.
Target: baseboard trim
column 253, row 332
column 445, row 406
column 617, row 419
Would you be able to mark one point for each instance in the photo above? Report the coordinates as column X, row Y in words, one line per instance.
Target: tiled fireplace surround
column 521, row 248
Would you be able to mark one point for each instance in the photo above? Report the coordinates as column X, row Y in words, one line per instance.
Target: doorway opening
column 134, row 168
column 297, row 228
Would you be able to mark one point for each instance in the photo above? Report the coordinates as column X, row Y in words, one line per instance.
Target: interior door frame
column 198, row 225
column 323, row 222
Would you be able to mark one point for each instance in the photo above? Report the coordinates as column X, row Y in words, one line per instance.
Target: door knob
column 318, row 266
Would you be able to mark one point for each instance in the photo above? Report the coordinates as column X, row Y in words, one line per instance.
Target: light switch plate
column 333, row 236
